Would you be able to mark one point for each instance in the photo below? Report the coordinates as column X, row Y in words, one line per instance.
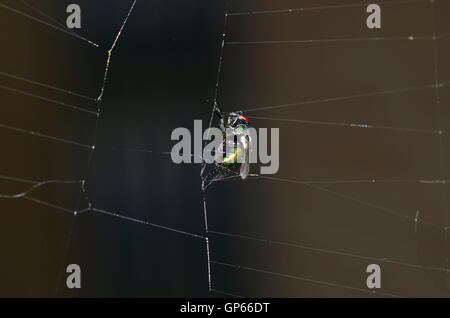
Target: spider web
column 321, row 185
column 334, row 188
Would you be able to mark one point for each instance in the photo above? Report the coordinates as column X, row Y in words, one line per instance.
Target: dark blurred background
column 162, row 76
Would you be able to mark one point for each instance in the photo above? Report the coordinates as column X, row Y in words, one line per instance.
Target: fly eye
column 244, row 118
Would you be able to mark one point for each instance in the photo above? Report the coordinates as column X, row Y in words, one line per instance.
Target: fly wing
column 245, row 165
column 245, row 170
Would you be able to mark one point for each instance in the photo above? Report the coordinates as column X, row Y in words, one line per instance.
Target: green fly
column 236, row 147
